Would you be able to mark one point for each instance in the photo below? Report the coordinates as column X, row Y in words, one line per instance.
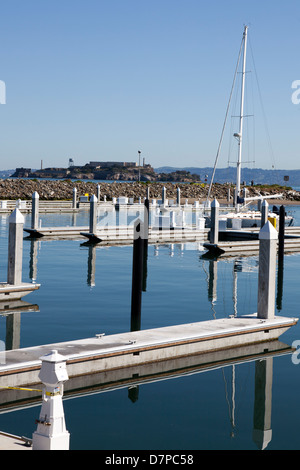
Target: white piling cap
column 16, row 217
column 53, row 356
column 268, row 232
column 35, row 195
column 93, row 198
column 215, row 203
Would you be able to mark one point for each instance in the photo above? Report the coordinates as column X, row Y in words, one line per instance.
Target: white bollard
column 51, row 433
column 268, row 237
column 15, row 248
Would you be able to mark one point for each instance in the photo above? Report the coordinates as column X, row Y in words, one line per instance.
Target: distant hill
column 257, row 175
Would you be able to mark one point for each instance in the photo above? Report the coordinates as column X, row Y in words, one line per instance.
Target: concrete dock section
column 103, row 353
column 246, row 247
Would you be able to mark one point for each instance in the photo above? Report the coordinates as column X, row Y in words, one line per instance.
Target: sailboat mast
column 239, row 135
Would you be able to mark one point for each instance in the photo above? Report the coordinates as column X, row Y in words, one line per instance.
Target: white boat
column 240, row 210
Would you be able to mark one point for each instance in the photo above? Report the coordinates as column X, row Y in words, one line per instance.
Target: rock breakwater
column 13, row 189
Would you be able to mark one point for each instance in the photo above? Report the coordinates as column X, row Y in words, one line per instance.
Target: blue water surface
column 211, row 409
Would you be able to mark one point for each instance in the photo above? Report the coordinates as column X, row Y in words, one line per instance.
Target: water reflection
column 135, row 377
column 12, row 311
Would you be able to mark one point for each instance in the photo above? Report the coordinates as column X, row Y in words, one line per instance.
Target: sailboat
column 247, row 218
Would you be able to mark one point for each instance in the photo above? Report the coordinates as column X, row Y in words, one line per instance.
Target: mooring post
column 51, row 433
column 93, row 214
column 228, row 195
column 281, row 233
column 264, row 213
column 259, row 203
column 268, row 238
column 35, row 210
column 15, row 248
column 163, row 195
column 137, row 275
column 146, row 237
column 74, row 204
column 178, row 197
column 98, row 192
column 214, row 224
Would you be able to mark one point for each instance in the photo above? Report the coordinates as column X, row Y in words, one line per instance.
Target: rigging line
column 224, row 124
column 261, row 103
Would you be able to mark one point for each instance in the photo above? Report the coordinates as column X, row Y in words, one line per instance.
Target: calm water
column 211, row 409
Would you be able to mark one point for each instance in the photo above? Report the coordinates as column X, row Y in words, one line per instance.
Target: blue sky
column 102, row 79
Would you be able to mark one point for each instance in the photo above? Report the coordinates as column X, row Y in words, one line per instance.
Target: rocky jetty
column 12, row 189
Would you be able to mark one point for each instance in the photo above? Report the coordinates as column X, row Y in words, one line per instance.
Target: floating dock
column 119, row 234
column 118, row 351
column 247, row 247
column 131, row 378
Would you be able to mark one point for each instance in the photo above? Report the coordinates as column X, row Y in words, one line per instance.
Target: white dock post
column 214, row 225
column 268, row 237
column 98, row 192
column 93, row 214
column 264, row 213
column 178, row 196
column 51, row 433
column 35, row 210
column 74, row 198
column 15, row 248
column 259, row 203
column 163, row 195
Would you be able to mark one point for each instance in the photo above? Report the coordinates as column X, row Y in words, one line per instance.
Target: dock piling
column 178, row 196
column 93, row 214
column 146, row 237
column 163, row 195
column 35, row 210
column 281, row 233
column 214, row 226
column 15, row 248
column 137, row 274
column 268, row 238
column 264, row 213
column 74, row 203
